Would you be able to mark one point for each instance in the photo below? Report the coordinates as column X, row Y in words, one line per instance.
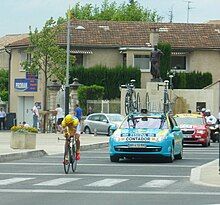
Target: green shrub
column 109, row 78
column 93, row 92
column 165, row 59
column 192, row 80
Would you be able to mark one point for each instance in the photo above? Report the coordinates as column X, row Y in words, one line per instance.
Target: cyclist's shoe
column 66, row 161
column 77, row 156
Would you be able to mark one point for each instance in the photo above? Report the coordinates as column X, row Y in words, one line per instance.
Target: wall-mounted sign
column 30, row 75
column 25, row 85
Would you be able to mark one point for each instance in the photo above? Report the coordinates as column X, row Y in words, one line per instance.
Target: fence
column 105, row 106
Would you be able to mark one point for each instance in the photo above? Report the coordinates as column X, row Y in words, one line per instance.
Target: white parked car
column 101, row 122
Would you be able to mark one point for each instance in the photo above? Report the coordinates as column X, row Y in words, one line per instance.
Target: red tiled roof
column 7, row 39
column 120, row 34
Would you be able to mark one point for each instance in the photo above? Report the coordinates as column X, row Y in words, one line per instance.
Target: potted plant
column 23, row 137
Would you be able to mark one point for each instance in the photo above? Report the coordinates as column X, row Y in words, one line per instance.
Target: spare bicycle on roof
column 132, row 99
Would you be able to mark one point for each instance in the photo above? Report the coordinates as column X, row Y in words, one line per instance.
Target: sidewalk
column 48, row 144
column 207, row 174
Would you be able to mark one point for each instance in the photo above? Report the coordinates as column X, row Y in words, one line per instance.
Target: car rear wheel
column 87, row 130
column 114, row 158
column 180, row 155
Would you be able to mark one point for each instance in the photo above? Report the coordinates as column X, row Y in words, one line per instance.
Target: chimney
column 154, row 36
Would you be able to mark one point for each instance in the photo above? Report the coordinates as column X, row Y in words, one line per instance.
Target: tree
column 131, row 11
column 4, row 80
column 47, row 58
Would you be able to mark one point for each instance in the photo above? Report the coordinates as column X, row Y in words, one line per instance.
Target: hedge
column 109, row 78
column 192, row 80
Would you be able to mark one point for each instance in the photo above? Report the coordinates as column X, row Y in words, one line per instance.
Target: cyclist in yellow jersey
column 71, row 128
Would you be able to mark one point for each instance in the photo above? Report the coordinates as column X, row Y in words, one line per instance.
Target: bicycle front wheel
column 66, row 163
column 73, row 158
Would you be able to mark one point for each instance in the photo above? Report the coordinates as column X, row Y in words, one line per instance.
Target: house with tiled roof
column 195, row 47
column 5, row 40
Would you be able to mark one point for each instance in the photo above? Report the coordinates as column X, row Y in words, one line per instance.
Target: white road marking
column 106, row 182
column 13, row 180
column 102, row 165
column 59, row 191
column 158, row 183
column 98, row 175
column 85, row 157
column 56, row 182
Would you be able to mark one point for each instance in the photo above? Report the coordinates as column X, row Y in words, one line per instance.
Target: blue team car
column 144, row 135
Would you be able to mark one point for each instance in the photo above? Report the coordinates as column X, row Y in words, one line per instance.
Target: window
column 24, row 57
column 142, row 62
column 94, row 118
column 124, row 60
column 103, row 118
column 200, row 105
column 178, row 62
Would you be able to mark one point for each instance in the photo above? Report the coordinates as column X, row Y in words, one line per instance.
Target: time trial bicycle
column 71, row 154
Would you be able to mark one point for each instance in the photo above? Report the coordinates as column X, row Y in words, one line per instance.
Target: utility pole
column 67, row 65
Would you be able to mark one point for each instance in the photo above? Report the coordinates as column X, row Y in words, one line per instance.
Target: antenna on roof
column 171, row 14
column 188, row 8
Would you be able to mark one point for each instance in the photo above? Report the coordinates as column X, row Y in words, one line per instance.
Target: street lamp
column 67, row 86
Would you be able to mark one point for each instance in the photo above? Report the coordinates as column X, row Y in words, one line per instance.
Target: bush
column 165, row 59
column 192, row 80
column 93, row 92
column 109, row 78
column 21, row 128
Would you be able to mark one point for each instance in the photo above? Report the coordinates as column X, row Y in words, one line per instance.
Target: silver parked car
column 101, row 122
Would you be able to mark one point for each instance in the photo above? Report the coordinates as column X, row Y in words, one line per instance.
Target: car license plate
column 187, row 136
column 136, row 145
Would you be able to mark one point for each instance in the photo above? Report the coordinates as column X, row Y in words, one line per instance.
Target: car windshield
column 145, row 122
column 115, row 118
column 189, row 120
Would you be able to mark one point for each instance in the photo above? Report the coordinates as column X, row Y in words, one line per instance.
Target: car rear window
column 145, row 122
column 189, row 120
column 115, row 118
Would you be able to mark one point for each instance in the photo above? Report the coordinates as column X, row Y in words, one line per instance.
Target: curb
column 195, row 176
column 22, row 155
column 41, row 153
column 93, row 146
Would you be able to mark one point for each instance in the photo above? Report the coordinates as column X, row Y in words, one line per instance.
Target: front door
column 25, row 104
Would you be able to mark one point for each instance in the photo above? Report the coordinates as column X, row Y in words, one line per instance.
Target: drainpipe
column 9, row 77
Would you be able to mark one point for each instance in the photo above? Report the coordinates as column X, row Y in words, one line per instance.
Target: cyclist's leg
column 77, row 136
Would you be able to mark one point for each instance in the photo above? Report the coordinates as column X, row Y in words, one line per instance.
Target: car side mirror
column 176, row 128
column 105, row 120
column 113, row 128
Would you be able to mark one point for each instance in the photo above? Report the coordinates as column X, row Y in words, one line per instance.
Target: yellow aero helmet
column 68, row 119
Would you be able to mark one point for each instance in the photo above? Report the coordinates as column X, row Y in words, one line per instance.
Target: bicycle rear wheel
column 73, row 158
column 138, row 102
column 66, row 164
column 127, row 103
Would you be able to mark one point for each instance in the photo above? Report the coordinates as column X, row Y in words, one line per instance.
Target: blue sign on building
column 25, row 85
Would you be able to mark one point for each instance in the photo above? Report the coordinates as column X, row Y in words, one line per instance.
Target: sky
column 17, row 15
